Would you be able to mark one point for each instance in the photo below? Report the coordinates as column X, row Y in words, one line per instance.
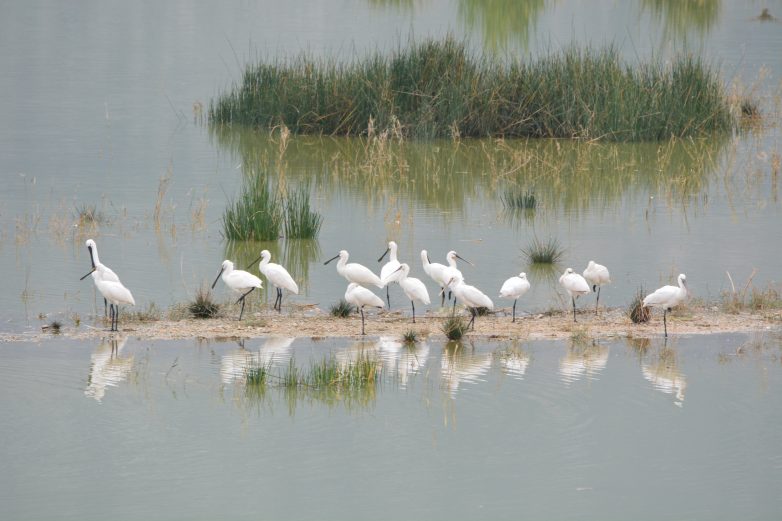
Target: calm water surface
column 101, row 107
column 612, row 430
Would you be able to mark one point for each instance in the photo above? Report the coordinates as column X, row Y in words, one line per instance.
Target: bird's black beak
column 252, row 263
column 88, row 274
column 427, row 258
column 465, row 260
column 384, row 254
column 92, row 259
column 331, row 259
column 217, row 278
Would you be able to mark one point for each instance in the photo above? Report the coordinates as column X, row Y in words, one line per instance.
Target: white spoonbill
column 113, row 291
column 106, row 273
column 278, row 276
column 413, row 287
column 436, row 272
column 452, row 271
column 355, row 272
column 514, row 288
column 596, row 275
column 360, row 296
column 470, row 296
column 388, row 273
column 574, row 284
column 668, row 297
column 238, row 280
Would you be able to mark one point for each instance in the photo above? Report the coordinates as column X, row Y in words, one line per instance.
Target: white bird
column 355, row 272
column 107, row 273
column 360, row 296
column 389, row 268
column 575, row 285
column 278, row 276
column 515, row 287
column 413, row 287
column 452, row 271
column 113, row 291
column 668, row 297
column 436, row 272
column 239, row 281
column 470, row 296
column 596, row 275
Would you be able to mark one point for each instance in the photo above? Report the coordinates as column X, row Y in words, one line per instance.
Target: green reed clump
column 257, row 214
column 516, row 199
column 636, row 310
column 341, row 309
column 351, row 375
column 258, row 376
column 544, row 252
column 409, row 337
column 301, row 221
column 454, row 328
column 437, row 88
column 203, row 306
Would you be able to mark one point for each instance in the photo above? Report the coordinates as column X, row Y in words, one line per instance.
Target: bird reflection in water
column 107, row 367
column 461, row 364
column 583, row 359
column 276, row 350
column 664, row 374
column 402, row 360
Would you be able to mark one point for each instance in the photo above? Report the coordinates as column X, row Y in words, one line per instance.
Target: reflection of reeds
column 439, row 89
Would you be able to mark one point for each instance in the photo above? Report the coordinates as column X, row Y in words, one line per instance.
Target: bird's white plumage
column 355, row 272
column 360, row 296
column 104, row 274
column 389, row 272
column 468, row 295
column 434, row 270
column 668, row 296
column 276, row 274
column 452, row 271
column 574, row 284
column 239, row 281
column 515, row 287
column 412, row 287
column 113, row 291
column 596, row 274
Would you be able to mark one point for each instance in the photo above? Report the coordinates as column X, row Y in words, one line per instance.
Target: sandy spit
column 315, row 323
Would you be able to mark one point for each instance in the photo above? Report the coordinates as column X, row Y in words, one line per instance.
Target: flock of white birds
column 447, row 277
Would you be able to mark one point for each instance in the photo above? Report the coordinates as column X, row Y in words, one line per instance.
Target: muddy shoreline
column 308, row 321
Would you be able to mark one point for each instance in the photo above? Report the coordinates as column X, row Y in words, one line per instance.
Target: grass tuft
column 409, row 337
column 515, row 199
column 636, row 310
column 301, row 222
column 540, row 252
column 203, row 306
column 88, row 214
column 341, row 309
column 440, row 89
column 454, row 328
column 257, row 214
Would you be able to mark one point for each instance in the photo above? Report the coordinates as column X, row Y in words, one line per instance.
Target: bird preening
column 108, row 285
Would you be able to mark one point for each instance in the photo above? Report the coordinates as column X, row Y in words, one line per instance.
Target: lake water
column 615, row 430
column 101, row 108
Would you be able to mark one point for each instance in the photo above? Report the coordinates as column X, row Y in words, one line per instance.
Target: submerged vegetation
column 261, row 212
column 440, row 89
column 544, row 252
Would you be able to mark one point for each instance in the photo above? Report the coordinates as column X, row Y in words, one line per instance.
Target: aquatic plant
column 516, row 199
column 203, row 306
column 636, row 310
column 351, row 375
column 437, row 89
column 409, row 337
column 454, row 328
column 88, row 214
column 256, row 214
column 53, row 327
column 341, row 309
column 301, row 222
column 543, row 252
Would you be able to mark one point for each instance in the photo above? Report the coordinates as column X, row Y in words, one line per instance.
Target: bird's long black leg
column 453, row 313
column 241, row 311
column 362, row 320
column 279, row 300
column 597, row 302
column 116, row 317
column 514, row 310
column 574, row 309
column 472, row 320
column 388, row 298
column 665, row 323
column 105, row 304
column 442, row 294
column 413, row 304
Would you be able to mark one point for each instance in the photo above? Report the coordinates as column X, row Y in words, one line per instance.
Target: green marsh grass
column 301, row 221
column 516, row 199
column 341, row 309
column 256, row 214
column 454, row 328
column 409, row 337
column 544, row 252
column 439, row 89
column 203, row 306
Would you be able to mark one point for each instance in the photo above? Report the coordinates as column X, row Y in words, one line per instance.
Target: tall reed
column 437, row 88
column 301, row 222
column 256, row 214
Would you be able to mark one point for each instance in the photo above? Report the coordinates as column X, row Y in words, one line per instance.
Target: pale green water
column 166, row 430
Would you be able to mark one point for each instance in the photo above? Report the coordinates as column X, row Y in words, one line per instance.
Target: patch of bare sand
column 313, row 322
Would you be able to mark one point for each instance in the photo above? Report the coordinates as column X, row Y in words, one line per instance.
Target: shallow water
column 615, row 430
column 114, row 108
